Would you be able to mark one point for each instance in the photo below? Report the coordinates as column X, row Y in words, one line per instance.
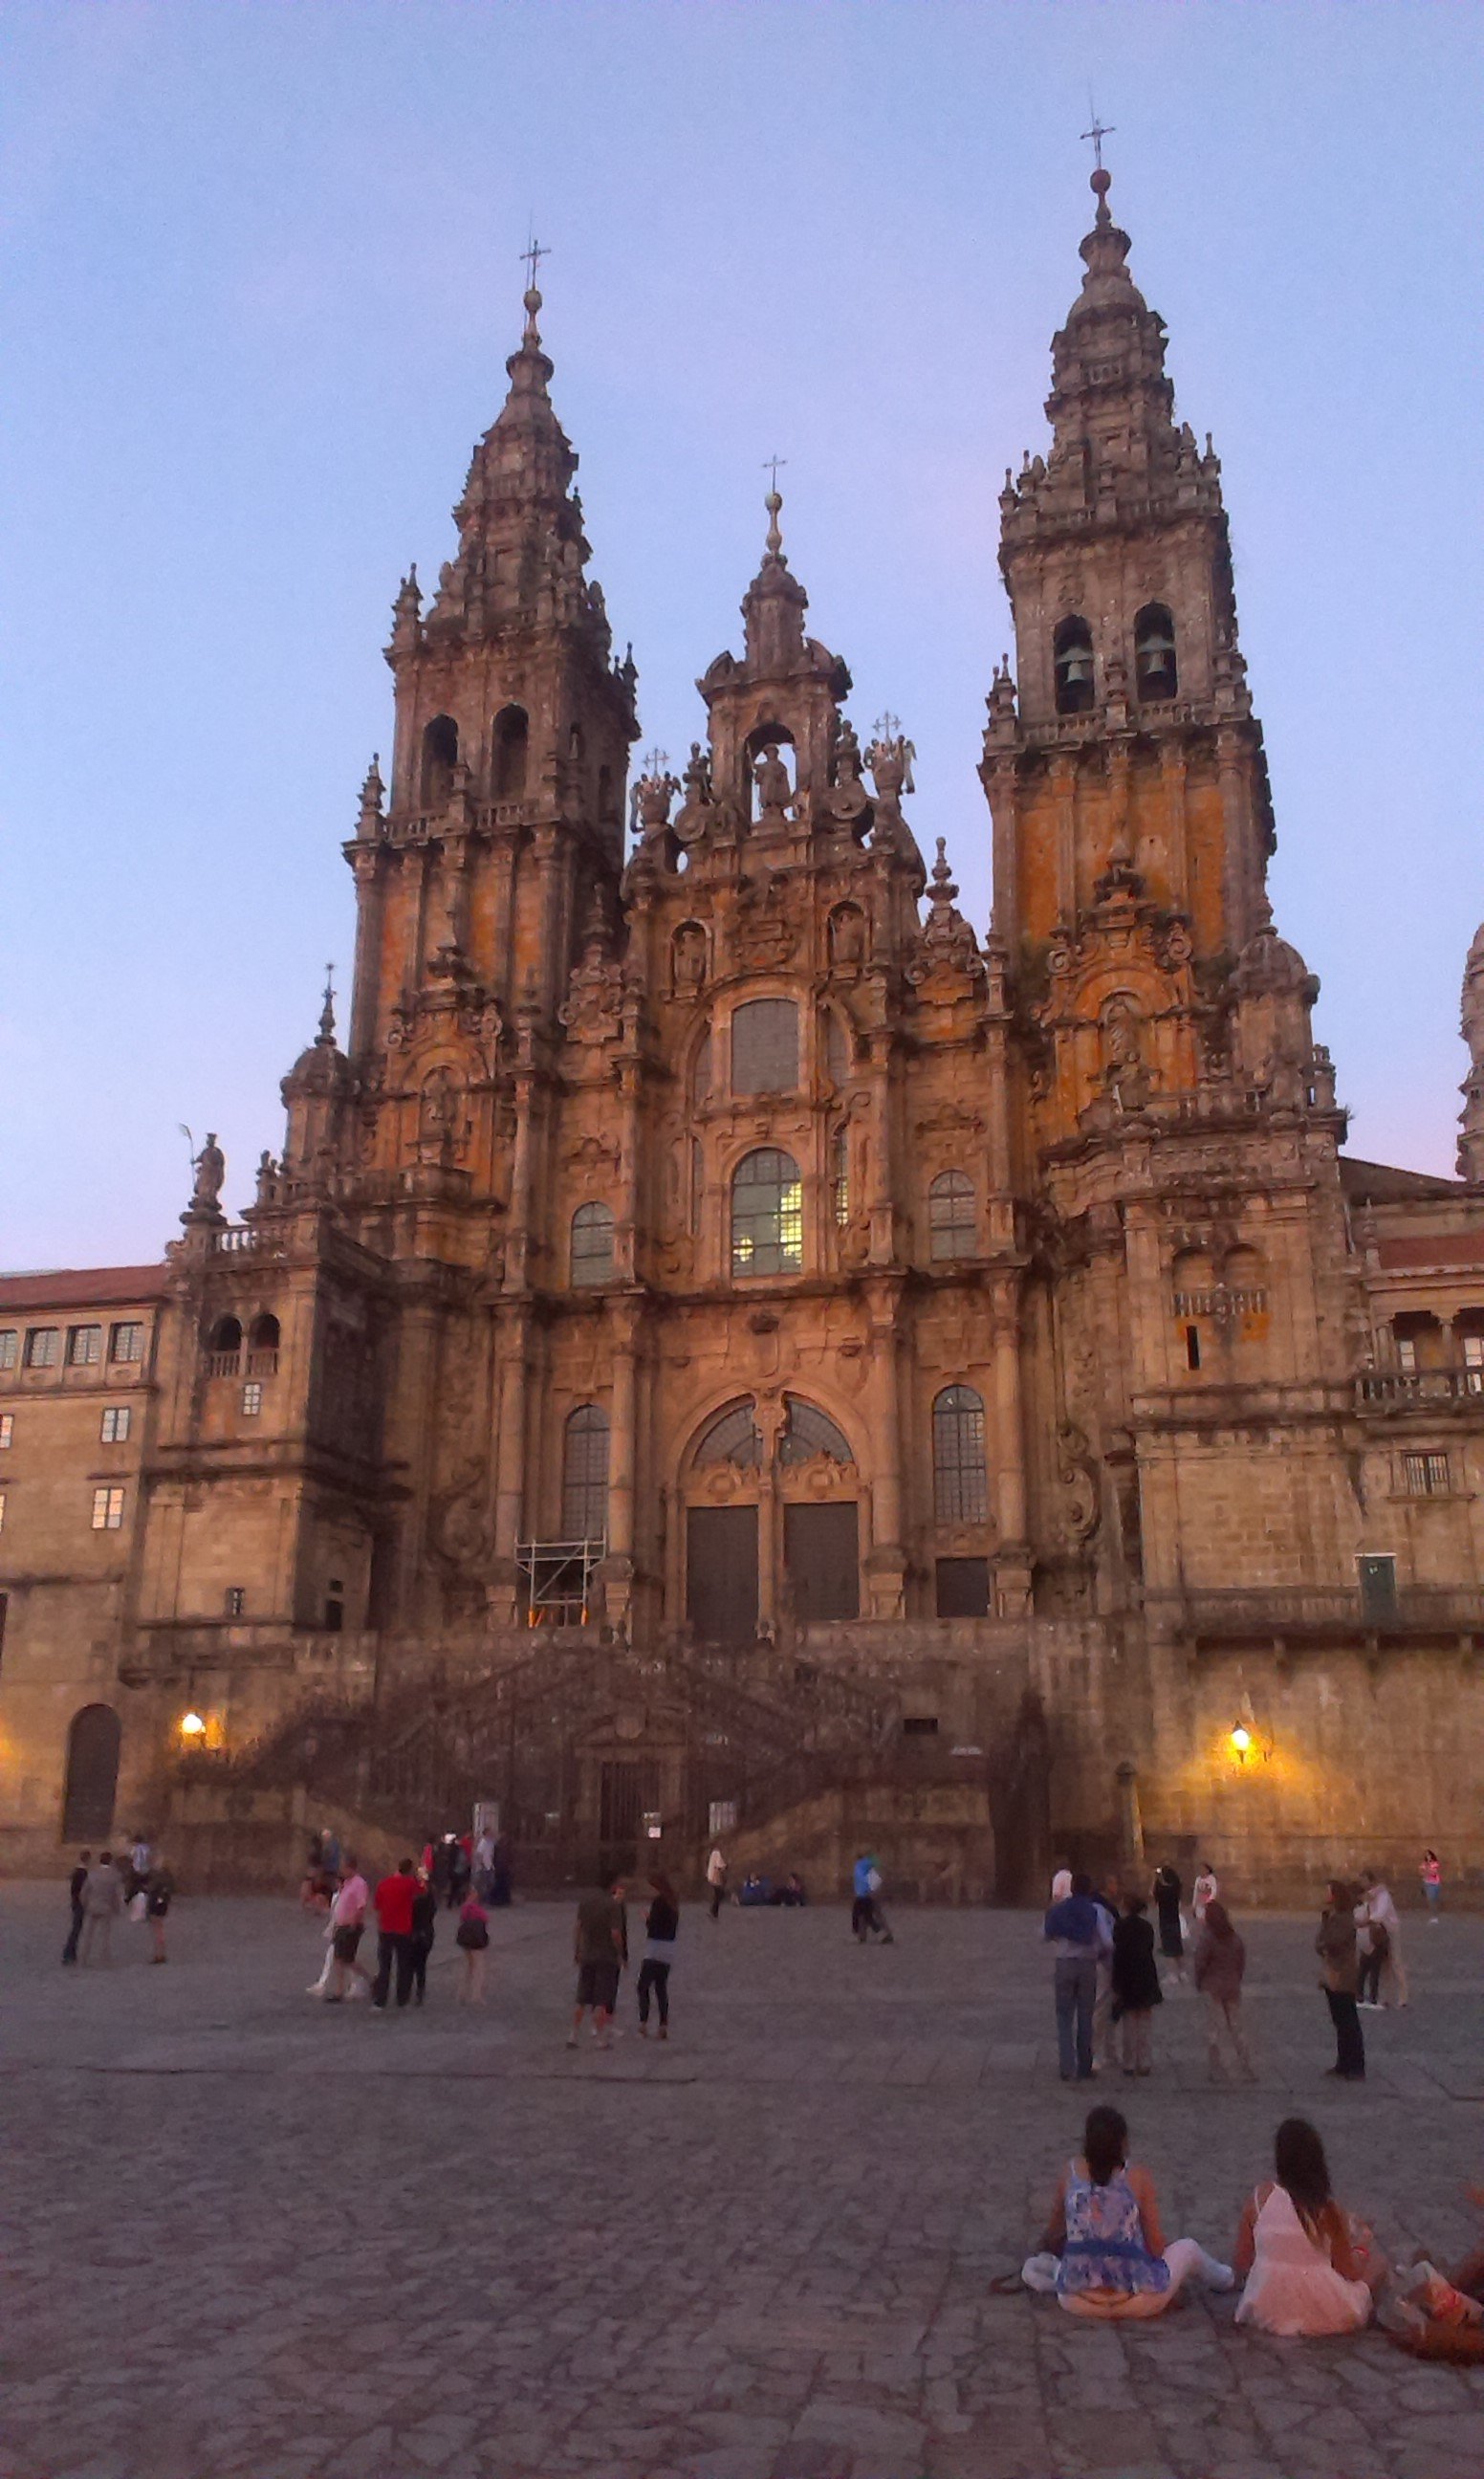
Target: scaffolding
column 558, row 1578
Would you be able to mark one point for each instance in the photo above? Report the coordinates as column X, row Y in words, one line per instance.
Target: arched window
column 733, row 1438
column 93, row 1775
column 1072, row 647
column 263, row 1334
column 592, row 1244
column 960, row 1489
column 440, row 757
column 767, row 1215
column 1155, row 672
column 508, row 745
column 585, row 1475
column 226, row 1338
column 952, row 1230
column 808, row 1432
column 765, row 1046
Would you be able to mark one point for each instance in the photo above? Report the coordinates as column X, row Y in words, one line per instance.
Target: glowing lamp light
column 1242, row 1739
column 192, row 1726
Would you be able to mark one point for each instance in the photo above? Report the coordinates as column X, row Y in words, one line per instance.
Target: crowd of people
column 137, row 1886
column 1107, row 1980
column 1307, row 2265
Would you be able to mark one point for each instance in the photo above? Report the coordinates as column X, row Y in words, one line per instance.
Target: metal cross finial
column 887, row 725
column 771, row 464
column 1097, row 133
column 532, row 254
column 656, row 763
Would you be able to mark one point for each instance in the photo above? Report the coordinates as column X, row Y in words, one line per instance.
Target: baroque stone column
column 886, row 1560
column 513, row 1341
column 1013, row 1557
column 618, row 1569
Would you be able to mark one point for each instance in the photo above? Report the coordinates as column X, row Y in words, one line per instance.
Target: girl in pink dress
column 1309, row 2269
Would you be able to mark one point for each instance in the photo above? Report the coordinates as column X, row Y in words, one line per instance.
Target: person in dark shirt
column 601, row 1952
column 395, row 1899
column 1136, row 1983
column 661, row 1929
column 425, row 1927
column 79, row 1880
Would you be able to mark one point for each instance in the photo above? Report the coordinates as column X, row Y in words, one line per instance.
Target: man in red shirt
column 395, row 1899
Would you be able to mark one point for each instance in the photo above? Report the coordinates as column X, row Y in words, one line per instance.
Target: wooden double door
column 821, row 1557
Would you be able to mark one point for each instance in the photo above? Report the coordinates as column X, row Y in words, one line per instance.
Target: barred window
column 960, row 1490
column 108, row 1510
column 114, row 1428
column 767, row 1215
column 585, row 1475
column 43, row 1346
column 9, row 1344
column 85, row 1347
column 765, row 1046
column 126, row 1341
column 1426, row 1475
column 733, row 1438
column 951, row 1222
column 592, row 1244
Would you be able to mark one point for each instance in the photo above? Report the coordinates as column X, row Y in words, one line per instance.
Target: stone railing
column 1328, row 1612
column 1398, row 1388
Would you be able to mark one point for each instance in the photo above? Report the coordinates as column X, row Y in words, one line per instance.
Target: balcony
column 1299, row 1614
column 1404, row 1389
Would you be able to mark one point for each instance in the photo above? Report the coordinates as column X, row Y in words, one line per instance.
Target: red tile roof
column 87, row 1286
column 1433, row 1251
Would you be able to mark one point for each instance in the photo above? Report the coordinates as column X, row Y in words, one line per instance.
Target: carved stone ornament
column 946, row 942
column 1078, row 1475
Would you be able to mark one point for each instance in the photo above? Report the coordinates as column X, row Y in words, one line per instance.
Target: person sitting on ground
column 1308, row 2267
column 1104, row 2253
column 1218, row 1960
column 1136, row 1985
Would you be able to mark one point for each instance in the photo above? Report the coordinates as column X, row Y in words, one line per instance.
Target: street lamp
column 192, row 1726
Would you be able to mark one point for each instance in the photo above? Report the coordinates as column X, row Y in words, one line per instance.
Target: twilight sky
column 260, row 275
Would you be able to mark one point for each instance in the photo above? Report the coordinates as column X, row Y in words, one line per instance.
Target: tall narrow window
column 1072, row 651
column 440, row 757
column 951, row 1220
column 1154, row 652
column 126, row 1343
column 108, row 1510
column 767, row 1215
column 840, row 1176
column 10, row 1341
column 585, row 1475
column 7, row 1429
column 592, row 1245
column 960, row 1487
column 114, row 1429
column 511, row 743
column 43, row 1346
column 765, row 1046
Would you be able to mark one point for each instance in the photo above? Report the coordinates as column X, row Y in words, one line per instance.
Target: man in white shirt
column 348, row 1921
column 716, row 1879
column 1381, row 1911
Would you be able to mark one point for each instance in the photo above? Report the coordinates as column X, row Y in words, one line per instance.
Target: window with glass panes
column 960, row 1487
column 592, row 1244
column 767, row 1215
column 1426, row 1474
column 108, row 1510
column 43, row 1346
column 252, row 1399
column 951, row 1216
column 126, row 1341
column 585, row 1475
column 7, row 1428
column 114, row 1427
column 765, row 1046
column 85, row 1347
column 10, row 1347
column 840, row 1175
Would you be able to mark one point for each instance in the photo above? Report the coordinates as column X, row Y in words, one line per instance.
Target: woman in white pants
column 1104, row 2254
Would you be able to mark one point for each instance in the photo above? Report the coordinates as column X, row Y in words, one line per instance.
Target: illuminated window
column 960, row 1487
column 126, row 1343
column 252, row 1399
column 1426, row 1475
column 115, row 1428
column 236, row 1601
column 108, row 1510
column 592, row 1244
column 85, row 1347
column 840, row 1175
column 2, row 1510
column 10, row 1341
column 7, row 1428
column 1406, row 1352
column 951, row 1223
column 585, row 1475
column 767, row 1215
column 43, row 1346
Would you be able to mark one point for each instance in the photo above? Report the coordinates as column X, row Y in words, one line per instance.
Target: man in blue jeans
column 1077, row 1934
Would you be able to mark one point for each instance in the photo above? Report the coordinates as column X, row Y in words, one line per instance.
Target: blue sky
column 259, row 274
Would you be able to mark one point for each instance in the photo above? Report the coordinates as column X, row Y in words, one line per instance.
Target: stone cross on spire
column 774, row 503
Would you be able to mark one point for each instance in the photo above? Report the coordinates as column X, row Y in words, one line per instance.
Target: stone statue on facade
column 775, row 791
column 211, row 1169
column 649, row 802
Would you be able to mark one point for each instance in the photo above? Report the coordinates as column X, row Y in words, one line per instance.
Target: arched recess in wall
column 1156, row 673
column 509, row 753
column 795, row 1545
column 592, row 1244
column 1072, row 662
column 953, row 1228
column 94, row 1741
column 440, row 757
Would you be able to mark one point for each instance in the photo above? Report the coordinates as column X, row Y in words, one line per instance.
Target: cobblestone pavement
column 243, row 2234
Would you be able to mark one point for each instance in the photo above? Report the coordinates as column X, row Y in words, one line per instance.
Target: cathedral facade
column 870, row 1375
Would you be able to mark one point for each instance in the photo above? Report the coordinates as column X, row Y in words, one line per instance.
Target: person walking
column 1219, row 1962
column 472, row 1936
column 75, row 1885
column 661, row 1929
column 395, row 1899
column 716, row 1879
column 1432, row 1885
column 1104, row 2254
column 866, row 1917
column 1076, row 1933
column 348, row 1977
column 1382, row 1915
column 1167, row 1890
column 601, row 1950
column 1136, row 1985
column 424, row 1928
column 1309, row 2268
column 1204, row 1890
column 102, row 1904
column 159, row 1895
column 1335, row 1946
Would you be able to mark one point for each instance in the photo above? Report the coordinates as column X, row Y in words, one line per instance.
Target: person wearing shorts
column 348, row 1923
column 601, row 1950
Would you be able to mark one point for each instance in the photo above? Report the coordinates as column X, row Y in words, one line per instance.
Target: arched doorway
column 93, row 1775
column 772, row 1520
